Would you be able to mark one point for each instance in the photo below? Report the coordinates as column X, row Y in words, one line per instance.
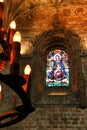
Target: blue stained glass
column 57, row 69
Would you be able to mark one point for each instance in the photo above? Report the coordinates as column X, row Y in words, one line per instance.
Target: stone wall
column 55, row 118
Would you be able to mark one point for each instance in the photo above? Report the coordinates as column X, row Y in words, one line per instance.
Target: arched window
column 57, row 69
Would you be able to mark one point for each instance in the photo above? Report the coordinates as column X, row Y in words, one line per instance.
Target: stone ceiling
column 34, row 17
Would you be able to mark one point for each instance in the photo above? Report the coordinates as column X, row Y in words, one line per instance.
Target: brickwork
column 55, row 118
column 51, row 113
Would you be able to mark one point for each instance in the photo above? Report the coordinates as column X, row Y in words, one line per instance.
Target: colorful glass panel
column 57, row 69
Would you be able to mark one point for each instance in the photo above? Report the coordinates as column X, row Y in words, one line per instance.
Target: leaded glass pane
column 57, row 69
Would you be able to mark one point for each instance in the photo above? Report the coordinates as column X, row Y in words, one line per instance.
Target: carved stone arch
column 65, row 40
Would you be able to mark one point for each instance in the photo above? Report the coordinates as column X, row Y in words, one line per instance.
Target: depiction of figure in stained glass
column 57, row 71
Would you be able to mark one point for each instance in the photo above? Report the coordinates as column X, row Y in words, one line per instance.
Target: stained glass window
column 57, row 69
